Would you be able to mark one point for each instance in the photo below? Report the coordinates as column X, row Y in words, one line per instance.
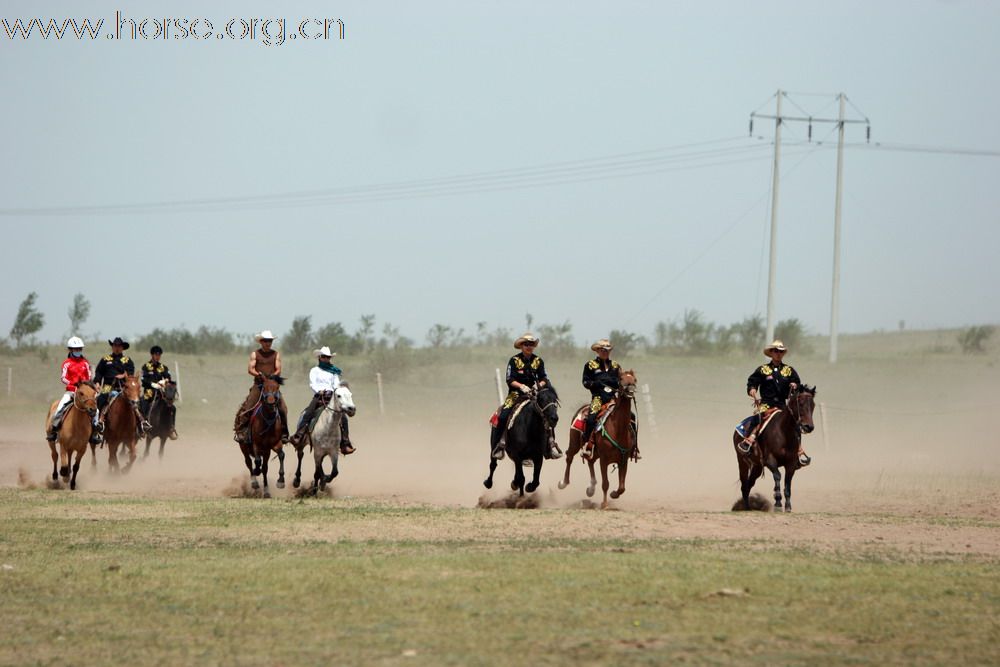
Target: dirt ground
column 902, row 501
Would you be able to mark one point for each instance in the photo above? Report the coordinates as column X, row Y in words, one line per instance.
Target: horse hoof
column 514, row 486
column 280, row 484
column 604, row 505
column 590, row 491
column 72, row 486
column 563, row 485
column 254, row 485
column 327, row 479
column 296, row 482
column 531, row 487
column 488, row 483
column 266, row 494
column 616, row 494
column 787, row 508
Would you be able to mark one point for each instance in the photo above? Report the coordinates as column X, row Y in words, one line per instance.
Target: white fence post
column 177, row 380
column 500, row 394
column 381, row 399
column 647, row 399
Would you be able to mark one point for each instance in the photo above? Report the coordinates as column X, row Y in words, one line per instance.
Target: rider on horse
column 110, row 371
column 524, row 372
column 154, row 373
column 769, row 386
column 601, row 376
column 324, row 379
column 75, row 369
column 263, row 361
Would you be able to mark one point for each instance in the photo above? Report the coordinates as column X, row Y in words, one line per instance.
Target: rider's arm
column 65, row 368
column 253, row 362
column 753, row 383
column 277, row 363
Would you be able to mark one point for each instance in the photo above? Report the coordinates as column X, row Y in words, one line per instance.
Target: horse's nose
column 808, row 428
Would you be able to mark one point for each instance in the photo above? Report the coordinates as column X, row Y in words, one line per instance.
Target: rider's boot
column 345, row 437
column 284, row 427
column 553, row 451
column 587, row 450
column 96, row 432
column 747, row 443
column 497, row 443
column 52, row 433
column 804, row 459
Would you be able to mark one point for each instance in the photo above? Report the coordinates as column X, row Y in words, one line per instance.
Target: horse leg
column 299, row 451
column 318, row 475
column 333, row 467
column 604, row 482
column 789, row 472
column 281, row 469
column 76, row 467
column 254, row 472
column 488, row 482
column 113, row 456
column 55, row 461
column 536, row 475
column 518, row 483
column 145, row 454
column 64, row 458
column 93, row 455
column 593, row 478
column 131, row 447
column 263, row 471
column 163, row 443
column 622, row 470
column 776, row 474
column 574, row 447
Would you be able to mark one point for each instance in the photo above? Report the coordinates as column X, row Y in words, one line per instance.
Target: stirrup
column 346, row 448
column 498, row 452
column 173, row 434
column 745, row 445
column 51, row 436
column 804, row 460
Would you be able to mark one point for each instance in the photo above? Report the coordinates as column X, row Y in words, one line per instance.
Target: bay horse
column 527, row 439
column 777, row 446
column 74, row 433
column 325, row 438
column 614, row 439
column 159, row 415
column 121, row 423
column 265, row 434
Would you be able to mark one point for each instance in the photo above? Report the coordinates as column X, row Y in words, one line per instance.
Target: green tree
column 557, row 338
column 792, row 332
column 365, row 335
column 336, row 337
column 439, row 335
column 299, row 338
column 28, row 321
column 78, row 313
column 749, row 334
column 625, row 342
column 972, row 340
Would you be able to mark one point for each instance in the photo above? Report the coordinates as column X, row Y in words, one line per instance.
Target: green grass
column 120, row 580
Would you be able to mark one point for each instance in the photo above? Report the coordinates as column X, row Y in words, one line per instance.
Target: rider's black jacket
column 772, row 383
column 111, row 365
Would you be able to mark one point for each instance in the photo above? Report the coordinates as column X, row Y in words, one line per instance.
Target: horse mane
column 808, row 390
column 87, row 383
column 277, row 378
column 346, row 385
column 552, row 389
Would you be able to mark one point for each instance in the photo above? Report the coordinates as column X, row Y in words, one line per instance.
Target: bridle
column 541, row 409
column 76, row 396
column 794, row 409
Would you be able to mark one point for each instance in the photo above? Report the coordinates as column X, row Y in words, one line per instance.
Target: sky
column 462, row 162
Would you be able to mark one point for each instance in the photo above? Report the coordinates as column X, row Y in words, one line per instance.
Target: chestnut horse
column 159, row 415
column 74, row 432
column 121, row 423
column 614, row 439
column 777, row 446
column 265, row 434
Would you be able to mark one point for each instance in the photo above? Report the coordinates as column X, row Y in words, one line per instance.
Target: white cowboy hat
column 75, row 343
column 775, row 345
column 525, row 338
column 265, row 335
column 603, row 344
column 324, row 352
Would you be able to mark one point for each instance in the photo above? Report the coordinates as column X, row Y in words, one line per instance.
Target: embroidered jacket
column 153, row 372
column 525, row 371
column 597, row 375
column 111, row 365
column 772, row 383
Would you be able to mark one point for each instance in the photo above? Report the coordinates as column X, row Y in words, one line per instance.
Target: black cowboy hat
column 118, row 341
column 156, row 349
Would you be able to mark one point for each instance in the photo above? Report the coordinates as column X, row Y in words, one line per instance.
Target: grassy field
column 891, row 557
column 113, row 580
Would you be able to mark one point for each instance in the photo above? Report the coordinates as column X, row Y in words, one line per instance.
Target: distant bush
column 973, row 339
column 793, row 334
column 625, row 342
column 206, row 340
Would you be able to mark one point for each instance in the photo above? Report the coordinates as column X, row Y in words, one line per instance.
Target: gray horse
column 325, row 437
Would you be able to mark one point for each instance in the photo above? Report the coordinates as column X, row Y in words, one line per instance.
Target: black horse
column 777, row 446
column 534, row 421
column 160, row 415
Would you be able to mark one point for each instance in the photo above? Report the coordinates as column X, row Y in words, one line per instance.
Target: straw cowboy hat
column 775, row 345
column 525, row 338
column 603, row 344
column 118, row 341
column 264, row 335
column 324, row 352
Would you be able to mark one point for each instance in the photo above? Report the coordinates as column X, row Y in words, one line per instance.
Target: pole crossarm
column 810, row 119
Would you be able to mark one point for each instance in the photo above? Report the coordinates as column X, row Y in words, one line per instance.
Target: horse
column 614, row 439
column 74, row 432
column 265, row 434
column 527, row 439
column 777, row 446
column 121, row 422
column 325, row 438
column 159, row 415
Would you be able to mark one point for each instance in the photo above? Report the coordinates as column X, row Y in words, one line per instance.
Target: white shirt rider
column 321, row 380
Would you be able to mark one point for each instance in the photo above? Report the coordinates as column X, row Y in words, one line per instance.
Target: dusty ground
column 899, row 501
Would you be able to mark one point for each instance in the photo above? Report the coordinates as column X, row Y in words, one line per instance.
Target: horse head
column 803, row 403
column 85, row 397
column 131, row 388
column 169, row 391
column 343, row 400
column 271, row 390
column 628, row 382
column 547, row 402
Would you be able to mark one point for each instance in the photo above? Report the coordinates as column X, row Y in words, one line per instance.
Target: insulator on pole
column 868, row 133
column 751, row 126
column 810, row 129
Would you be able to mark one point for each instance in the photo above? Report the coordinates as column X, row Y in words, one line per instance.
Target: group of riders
column 109, row 376
column 769, row 385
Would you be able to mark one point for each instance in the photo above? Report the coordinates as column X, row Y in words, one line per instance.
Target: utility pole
column 779, row 120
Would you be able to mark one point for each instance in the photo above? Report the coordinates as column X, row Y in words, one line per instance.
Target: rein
column 604, row 431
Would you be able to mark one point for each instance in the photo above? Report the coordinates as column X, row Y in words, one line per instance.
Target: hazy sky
column 621, row 228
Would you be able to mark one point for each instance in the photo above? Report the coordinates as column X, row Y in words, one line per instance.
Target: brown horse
column 777, row 446
column 614, row 439
column 265, row 434
column 74, row 432
column 121, row 423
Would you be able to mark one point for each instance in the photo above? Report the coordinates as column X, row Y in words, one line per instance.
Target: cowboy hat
column 525, row 338
column 265, row 335
column 603, row 344
column 324, row 352
column 775, row 345
column 118, row 341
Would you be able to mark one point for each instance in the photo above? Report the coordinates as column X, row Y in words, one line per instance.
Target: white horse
column 325, row 436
